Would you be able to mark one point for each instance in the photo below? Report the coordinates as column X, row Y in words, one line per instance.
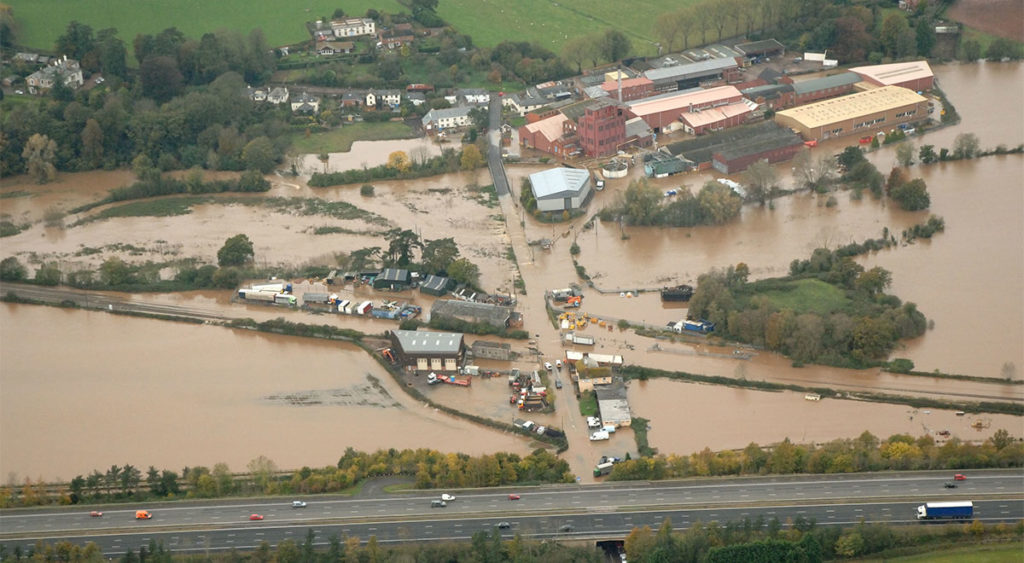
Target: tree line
column 642, row 204
column 428, row 468
column 844, row 455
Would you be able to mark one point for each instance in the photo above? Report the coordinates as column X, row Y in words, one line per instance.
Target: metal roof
column 896, row 73
column 844, row 79
column 435, row 284
column 424, row 342
column 853, row 106
column 393, row 275
column 758, row 47
column 479, row 312
column 558, row 182
column 680, row 72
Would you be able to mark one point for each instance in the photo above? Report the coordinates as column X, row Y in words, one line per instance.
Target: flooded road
column 83, row 390
column 197, row 395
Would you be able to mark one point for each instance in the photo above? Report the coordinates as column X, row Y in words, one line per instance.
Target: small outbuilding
column 436, row 285
column 561, row 189
column 394, row 279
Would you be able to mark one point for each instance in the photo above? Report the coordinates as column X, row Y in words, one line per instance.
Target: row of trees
column 214, row 127
column 644, row 204
column 857, row 325
column 429, row 468
column 864, row 453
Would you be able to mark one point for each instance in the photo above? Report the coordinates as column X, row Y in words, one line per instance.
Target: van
column 438, row 504
column 142, row 515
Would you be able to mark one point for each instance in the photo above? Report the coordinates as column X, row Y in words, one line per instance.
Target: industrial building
column 915, row 75
column 472, row 312
column 700, row 151
column 554, row 134
column 561, row 189
column 613, row 405
column 436, row 285
column 665, row 113
column 601, row 128
column 421, row 351
column 681, row 77
column 394, row 279
column 630, row 89
column 862, row 113
column 773, row 143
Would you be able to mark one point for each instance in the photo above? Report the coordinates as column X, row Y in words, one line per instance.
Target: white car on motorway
column 447, row 497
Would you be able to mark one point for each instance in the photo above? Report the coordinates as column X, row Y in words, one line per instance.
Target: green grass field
column 550, row 24
column 809, row 295
column 489, row 22
column 1011, row 553
column 283, row 23
column 341, row 138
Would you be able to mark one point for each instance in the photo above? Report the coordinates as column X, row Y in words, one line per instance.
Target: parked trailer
column 274, row 287
column 945, row 510
column 254, row 295
column 384, row 313
column 284, row 299
column 603, row 469
column 364, row 308
column 703, row 327
column 319, row 298
column 342, row 304
column 581, row 340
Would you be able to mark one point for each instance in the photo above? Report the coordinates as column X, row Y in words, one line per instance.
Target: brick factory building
column 862, row 113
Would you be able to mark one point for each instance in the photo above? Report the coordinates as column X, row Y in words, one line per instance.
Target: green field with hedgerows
column 283, row 23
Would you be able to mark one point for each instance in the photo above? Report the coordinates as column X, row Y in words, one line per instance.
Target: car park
column 504, row 525
column 959, row 477
column 255, row 517
column 298, row 504
column 95, row 514
column 513, row 497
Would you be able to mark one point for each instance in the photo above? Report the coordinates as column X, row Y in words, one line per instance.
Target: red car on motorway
column 95, row 514
column 959, row 477
column 256, row 517
column 513, row 497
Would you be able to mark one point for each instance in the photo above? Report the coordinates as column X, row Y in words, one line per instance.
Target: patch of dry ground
column 1003, row 18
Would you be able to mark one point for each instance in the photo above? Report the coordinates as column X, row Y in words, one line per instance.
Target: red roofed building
column 632, row 88
column 602, row 128
column 555, row 134
column 915, row 75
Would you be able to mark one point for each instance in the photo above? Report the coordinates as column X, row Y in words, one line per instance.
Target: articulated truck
column 945, row 510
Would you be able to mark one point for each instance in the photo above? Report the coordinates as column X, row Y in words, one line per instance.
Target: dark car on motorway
column 950, row 485
column 504, row 525
column 566, row 528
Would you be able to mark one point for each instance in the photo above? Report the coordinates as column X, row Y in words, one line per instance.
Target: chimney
column 619, row 73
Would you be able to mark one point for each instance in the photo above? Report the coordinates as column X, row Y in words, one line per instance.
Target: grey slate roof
column 495, row 315
column 680, row 72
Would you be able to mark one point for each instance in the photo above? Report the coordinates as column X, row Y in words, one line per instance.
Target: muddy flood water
column 84, row 390
column 94, row 389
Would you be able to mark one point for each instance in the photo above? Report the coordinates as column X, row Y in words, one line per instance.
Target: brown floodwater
column 114, row 369
column 688, row 417
column 83, row 390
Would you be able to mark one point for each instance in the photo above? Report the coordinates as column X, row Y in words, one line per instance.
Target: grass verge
column 340, row 139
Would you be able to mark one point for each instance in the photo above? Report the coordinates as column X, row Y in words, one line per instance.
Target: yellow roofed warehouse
column 863, row 113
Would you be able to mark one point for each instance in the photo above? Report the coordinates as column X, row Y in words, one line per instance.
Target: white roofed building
column 560, row 189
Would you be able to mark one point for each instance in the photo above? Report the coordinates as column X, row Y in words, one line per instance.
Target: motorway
column 606, row 511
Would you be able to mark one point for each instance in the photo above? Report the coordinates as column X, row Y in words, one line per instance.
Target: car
column 566, row 528
column 513, row 497
column 950, row 485
column 504, row 525
column 548, row 366
column 959, row 477
column 143, row 515
column 298, row 504
column 95, row 514
column 19, row 92
column 541, row 429
column 558, row 364
column 558, row 384
column 255, row 517
column 438, row 504
column 447, row 498
column 99, row 80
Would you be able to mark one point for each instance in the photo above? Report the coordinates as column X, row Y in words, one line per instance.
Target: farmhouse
column 862, row 113
column 915, row 75
column 448, row 118
column 472, row 312
column 353, row 27
column 62, row 71
column 561, row 189
column 421, row 351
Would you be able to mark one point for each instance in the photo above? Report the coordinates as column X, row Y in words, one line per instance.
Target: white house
column 476, row 96
column 304, row 103
column 561, row 189
column 387, row 98
column 353, row 27
column 278, row 95
column 448, row 118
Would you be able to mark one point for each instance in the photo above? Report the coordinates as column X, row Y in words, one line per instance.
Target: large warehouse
column 862, row 113
column 916, row 75
column 561, row 189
